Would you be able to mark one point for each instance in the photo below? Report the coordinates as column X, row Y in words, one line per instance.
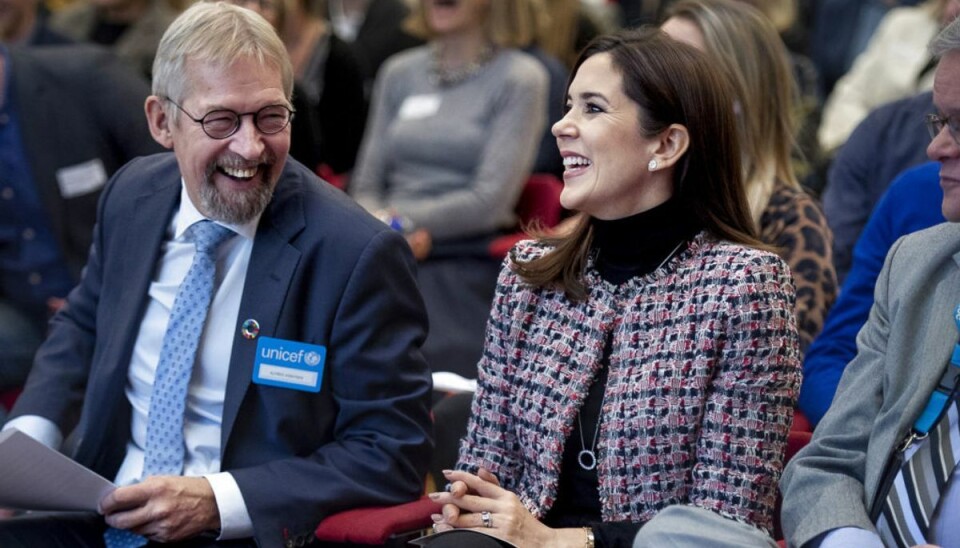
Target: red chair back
column 800, row 422
column 540, row 200
column 539, row 203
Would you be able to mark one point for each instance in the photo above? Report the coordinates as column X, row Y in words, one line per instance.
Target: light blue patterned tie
column 164, row 447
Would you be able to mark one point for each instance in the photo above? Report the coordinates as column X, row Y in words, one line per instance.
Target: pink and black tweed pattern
column 704, row 374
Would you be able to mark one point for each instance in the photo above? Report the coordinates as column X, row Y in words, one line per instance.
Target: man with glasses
column 882, row 466
column 242, row 354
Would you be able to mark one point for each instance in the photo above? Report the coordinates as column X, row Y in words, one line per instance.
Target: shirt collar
column 188, row 215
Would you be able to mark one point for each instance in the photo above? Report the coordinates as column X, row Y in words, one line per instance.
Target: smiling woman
column 648, row 359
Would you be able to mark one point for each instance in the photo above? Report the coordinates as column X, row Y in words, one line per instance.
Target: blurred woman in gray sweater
column 451, row 139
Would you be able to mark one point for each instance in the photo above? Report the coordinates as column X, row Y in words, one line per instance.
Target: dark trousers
column 79, row 530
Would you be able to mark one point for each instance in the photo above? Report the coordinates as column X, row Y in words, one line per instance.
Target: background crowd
column 442, row 118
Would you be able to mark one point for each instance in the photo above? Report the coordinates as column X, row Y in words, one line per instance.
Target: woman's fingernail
column 436, row 517
column 447, row 472
column 434, row 496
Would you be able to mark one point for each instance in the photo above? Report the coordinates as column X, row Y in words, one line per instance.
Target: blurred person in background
column 532, row 29
column 373, row 29
column 840, row 30
column 70, row 116
column 328, row 95
column 24, row 22
column 331, row 81
column 807, row 156
column 451, row 140
column 131, row 28
column 895, row 64
column 741, row 41
column 911, row 203
column 889, row 140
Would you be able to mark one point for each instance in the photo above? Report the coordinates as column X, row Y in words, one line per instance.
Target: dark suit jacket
column 77, row 103
column 889, row 140
column 322, row 271
column 44, row 36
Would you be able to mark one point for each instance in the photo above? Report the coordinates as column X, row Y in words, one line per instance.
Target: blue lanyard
column 944, row 393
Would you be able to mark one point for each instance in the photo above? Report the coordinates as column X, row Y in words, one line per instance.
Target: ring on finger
column 486, row 519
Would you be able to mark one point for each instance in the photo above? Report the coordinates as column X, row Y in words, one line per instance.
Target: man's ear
column 158, row 121
column 672, row 144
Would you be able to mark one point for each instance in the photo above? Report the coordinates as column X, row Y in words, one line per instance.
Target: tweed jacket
column 704, row 372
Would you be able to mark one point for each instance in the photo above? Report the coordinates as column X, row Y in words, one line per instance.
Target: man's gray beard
column 235, row 208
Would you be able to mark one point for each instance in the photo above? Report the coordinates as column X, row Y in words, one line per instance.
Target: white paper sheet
column 35, row 477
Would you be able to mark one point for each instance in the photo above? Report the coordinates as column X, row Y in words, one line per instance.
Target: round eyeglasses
column 220, row 124
column 936, row 123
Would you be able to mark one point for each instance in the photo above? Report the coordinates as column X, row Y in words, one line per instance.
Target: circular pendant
column 587, row 460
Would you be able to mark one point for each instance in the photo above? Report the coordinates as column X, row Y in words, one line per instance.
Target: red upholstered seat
column 377, row 526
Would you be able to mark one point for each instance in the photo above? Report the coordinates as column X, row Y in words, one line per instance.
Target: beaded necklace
column 446, row 77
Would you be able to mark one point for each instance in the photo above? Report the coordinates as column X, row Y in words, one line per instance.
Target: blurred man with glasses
column 242, row 354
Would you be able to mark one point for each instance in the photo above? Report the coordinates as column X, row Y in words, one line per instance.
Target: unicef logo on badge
column 312, row 359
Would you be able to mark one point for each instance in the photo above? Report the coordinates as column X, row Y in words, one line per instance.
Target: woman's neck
column 641, row 243
column 457, row 50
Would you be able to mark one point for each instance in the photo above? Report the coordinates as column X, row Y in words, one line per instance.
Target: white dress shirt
column 205, row 395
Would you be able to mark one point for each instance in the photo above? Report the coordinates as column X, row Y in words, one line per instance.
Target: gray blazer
column 901, row 352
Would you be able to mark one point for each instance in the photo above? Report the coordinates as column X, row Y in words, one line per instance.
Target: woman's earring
column 652, row 165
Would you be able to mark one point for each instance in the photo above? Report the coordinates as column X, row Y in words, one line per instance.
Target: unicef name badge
column 289, row 364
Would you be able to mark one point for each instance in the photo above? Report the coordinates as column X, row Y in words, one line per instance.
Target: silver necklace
column 444, row 77
column 587, row 458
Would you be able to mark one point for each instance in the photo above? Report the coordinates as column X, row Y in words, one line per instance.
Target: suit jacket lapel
column 145, row 226
column 140, row 231
column 273, row 263
column 943, row 335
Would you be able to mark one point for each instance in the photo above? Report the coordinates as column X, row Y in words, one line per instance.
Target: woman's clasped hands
column 476, row 501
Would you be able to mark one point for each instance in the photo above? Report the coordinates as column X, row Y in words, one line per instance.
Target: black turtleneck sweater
column 623, row 249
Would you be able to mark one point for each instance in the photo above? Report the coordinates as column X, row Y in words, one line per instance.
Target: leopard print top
column 794, row 225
